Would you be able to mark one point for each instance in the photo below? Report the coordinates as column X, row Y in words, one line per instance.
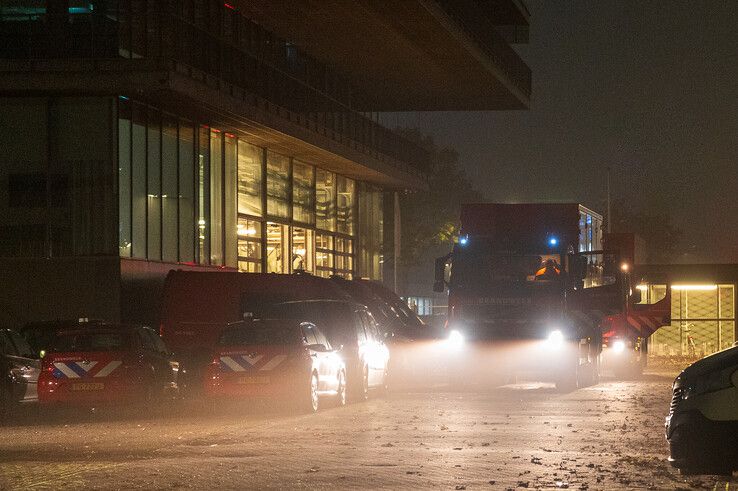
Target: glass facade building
column 192, row 193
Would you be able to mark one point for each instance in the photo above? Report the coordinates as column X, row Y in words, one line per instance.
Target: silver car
column 19, row 370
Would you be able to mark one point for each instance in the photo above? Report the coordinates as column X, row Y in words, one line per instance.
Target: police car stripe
column 231, row 363
column 252, row 360
column 84, row 366
column 65, row 370
column 108, row 369
column 271, row 364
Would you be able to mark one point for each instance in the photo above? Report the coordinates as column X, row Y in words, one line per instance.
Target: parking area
column 524, row 435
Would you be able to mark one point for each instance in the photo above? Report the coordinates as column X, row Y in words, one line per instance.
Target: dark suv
column 351, row 327
column 19, row 369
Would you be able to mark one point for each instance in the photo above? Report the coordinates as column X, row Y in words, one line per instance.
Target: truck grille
column 676, row 399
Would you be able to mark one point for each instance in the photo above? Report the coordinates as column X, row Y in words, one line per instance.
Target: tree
column 431, row 218
column 660, row 236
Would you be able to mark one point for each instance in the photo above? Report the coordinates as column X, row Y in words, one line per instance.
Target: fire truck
column 530, row 289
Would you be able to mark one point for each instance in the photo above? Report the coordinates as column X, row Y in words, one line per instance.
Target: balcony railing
column 206, row 40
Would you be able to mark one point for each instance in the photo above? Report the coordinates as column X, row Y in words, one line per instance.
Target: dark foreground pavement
column 523, row 436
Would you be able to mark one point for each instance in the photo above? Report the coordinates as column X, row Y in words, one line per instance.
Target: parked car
column 107, row 365
column 702, row 425
column 350, row 327
column 19, row 370
column 276, row 359
column 41, row 335
column 394, row 318
column 196, row 305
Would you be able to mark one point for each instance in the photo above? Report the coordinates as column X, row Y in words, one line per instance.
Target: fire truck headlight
column 455, row 339
column 618, row 346
column 555, row 339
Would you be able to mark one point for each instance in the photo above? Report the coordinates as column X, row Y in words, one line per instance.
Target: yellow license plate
column 88, row 386
column 253, row 380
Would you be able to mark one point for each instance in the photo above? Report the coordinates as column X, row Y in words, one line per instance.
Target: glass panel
column 169, row 199
column 727, row 301
column 186, row 192
column 203, row 196
column 153, row 177
column 344, row 257
column 249, row 245
column 216, row 197
column 303, row 193
column 324, row 255
column 303, row 249
column 277, row 246
column 250, row 159
column 124, row 178
column 325, row 199
column 278, row 183
column 138, row 173
column 346, row 197
column 370, row 233
column 229, row 195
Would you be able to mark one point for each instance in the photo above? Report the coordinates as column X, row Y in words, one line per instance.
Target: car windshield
column 248, row 335
column 89, row 341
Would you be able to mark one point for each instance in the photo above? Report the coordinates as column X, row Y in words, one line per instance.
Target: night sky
column 648, row 88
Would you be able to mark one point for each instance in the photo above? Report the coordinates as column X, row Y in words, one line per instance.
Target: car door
column 375, row 349
column 24, row 367
column 328, row 367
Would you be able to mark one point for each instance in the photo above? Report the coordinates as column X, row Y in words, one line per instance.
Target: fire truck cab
column 511, row 316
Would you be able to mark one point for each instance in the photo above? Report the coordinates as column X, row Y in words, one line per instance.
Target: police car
column 276, row 359
column 702, row 425
column 106, row 365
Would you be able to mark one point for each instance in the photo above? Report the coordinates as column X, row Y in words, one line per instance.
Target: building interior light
column 642, row 288
column 694, row 287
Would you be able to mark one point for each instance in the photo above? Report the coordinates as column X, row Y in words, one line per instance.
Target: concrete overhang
column 216, row 102
column 412, row 55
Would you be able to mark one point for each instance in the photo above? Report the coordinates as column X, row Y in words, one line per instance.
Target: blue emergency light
column 553, row 242
column 463, row 240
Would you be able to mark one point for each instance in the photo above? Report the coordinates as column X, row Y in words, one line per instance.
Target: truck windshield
column 479, row 268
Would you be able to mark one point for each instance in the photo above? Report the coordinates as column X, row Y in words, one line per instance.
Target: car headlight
column 618, row 346
column 555, row 339
column 709, row 382
column 455, row 339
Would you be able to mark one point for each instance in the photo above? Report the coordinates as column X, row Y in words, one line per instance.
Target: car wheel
column 341, row 393
column 314, row 399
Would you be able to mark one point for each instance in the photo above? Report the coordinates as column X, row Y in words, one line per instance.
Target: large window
column 370, row 236
column 230, row 193
column 216, row 197
column 344, row 257
column 250, row 161
column 153, row 177
column 249, row 245
column 277, row 246
column 169, row 201
column 303, row 193
column 203, row 196
column 186, row 191
column 303, row 250
column 278, row 185
column 138, row 182
column 346, row 197
column 324, row 254
column 325, row 199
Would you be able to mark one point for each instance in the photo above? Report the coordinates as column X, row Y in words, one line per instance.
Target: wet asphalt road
column 526, row 435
